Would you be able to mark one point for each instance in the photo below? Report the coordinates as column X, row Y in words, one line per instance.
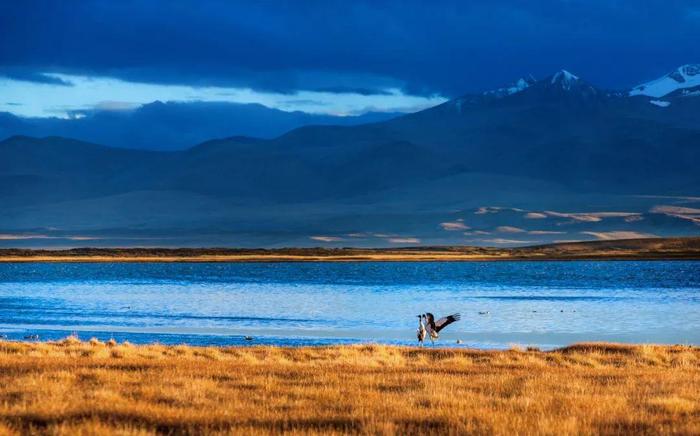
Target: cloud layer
column 422, row 48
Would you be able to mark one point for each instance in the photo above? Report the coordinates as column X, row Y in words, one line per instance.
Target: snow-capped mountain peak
column 564, row 79
column 686, row 76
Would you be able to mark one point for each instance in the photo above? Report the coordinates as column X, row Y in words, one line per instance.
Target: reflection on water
column 538, row 303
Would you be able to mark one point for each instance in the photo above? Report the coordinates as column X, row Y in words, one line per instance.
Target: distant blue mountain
column 539, row 161
column 174, row 126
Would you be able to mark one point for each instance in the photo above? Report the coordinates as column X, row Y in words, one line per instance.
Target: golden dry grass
column 74, row 387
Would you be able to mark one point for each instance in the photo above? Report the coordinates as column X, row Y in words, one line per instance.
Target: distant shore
column 687, row 248
column 94, row 387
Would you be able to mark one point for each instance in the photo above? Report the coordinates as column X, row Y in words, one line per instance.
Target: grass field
column 74, row 387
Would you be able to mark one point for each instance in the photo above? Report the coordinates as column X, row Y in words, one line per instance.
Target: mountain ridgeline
column 536, row 145
column 173, row 125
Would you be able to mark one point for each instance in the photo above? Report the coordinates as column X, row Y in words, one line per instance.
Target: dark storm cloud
column 420, row 47
column 27, row 75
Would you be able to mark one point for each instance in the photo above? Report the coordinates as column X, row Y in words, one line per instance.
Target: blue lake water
column 546, row 304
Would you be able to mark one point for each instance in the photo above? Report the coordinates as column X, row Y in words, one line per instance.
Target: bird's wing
column 431, row 320
column 445, row 321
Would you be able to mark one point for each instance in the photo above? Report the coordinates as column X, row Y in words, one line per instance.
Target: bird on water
column 434, row 327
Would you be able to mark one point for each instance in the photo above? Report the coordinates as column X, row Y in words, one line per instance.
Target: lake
column 545, row 304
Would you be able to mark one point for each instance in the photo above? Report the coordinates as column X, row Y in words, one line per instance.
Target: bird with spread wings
column 433, row 327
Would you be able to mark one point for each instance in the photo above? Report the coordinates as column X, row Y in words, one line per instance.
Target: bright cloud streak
column 535, row 216
column 609, row 236
column 43, row 100
column 326, row 238
column 672, row 210
column 685, row 213
column 590, row 217
column 509, row 229
column 502, row 241
column 454, row 225
column 404, row 240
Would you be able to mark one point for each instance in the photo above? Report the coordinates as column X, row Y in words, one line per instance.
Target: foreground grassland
column 74, row 387
column 651, row 248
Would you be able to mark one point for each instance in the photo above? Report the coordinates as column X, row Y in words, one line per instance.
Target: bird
column 485, row 312
column 420, row 333
column 32, row 337
column 248, row 338
column 434, row 327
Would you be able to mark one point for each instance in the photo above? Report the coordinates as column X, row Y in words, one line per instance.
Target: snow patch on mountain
column 687, row 76
column 660, row 103
column 519, row 85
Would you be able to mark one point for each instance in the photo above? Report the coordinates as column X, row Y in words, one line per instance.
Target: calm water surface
column 528, row 303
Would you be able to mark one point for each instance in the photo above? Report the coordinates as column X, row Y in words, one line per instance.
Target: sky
column 334, row 57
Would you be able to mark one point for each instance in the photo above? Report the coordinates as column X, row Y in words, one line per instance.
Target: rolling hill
column 538, row 161
column 167, row 126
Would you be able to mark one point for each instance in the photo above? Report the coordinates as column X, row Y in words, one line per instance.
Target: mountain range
column 537, row 161
column 173, row 125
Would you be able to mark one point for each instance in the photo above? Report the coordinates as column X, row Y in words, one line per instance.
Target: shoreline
column 587, row 346
column 74, row 339
column 343, row 259
column 685, row 248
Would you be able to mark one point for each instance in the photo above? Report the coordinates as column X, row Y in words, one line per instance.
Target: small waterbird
column 420, row 333
column 434, row 327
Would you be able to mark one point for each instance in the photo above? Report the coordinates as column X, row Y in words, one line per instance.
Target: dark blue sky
column 365, row 47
